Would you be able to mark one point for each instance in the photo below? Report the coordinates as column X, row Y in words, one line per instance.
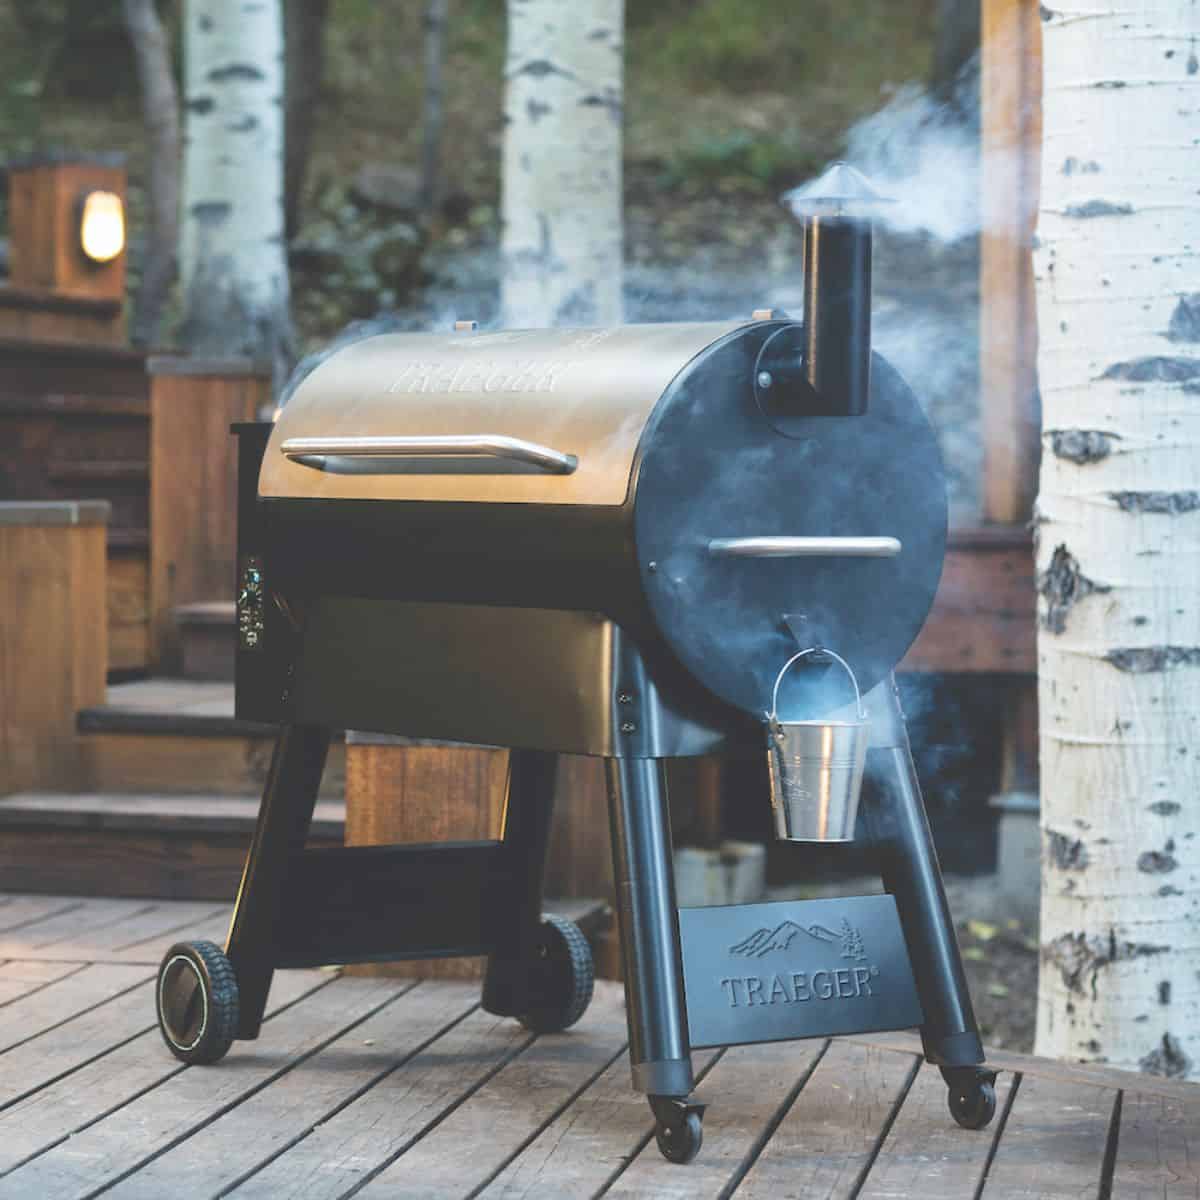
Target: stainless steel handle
column 805, row 547
column 471, row 445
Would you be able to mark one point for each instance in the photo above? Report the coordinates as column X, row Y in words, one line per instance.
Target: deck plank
column 212, row 928
column 591, row 1140
column 1051, row 1068
column 104, row 1153
column 154, row 921
column 61, row 1109
column 67, row 1047
column 248, row 1136
column 356, row 1085
column 149, row 949
column 1053, row 1143
column 18, row 978
column 1158, row 1153
column 63, row 1000
column 479, row 1137
column 392, row 1115
column 751, row 1086
column 829, row 1134
column 926, row 1154
column 18, row 911
column 89, row 922
column 319, row 1129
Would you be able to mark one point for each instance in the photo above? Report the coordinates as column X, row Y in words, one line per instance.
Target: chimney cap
column 839, row 189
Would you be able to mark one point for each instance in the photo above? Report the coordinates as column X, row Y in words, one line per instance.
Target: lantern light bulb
column 102, row 226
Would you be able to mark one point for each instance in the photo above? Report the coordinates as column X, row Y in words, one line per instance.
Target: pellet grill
column 638, row 543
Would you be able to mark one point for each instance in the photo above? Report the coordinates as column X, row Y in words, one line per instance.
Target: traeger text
column 842, row 983
column 522, row 375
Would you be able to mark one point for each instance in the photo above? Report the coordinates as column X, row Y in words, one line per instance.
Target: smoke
column 923, row 153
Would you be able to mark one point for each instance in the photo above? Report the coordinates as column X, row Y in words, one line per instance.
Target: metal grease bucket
column 816, row 768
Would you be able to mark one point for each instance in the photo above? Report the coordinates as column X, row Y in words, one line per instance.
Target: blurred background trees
column 725, row 104
column 304, row 47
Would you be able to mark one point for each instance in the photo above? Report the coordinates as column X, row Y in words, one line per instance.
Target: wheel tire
column 197, row 1001
column 680, row 1142
column 973, row 1102
column 562, row 978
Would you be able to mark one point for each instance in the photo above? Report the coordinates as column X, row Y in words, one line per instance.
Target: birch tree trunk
column 160, row 106
column 561, row 192
column 1119, row 535
column 233, row 260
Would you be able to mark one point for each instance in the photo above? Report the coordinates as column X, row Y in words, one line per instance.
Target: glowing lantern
column 102, row 226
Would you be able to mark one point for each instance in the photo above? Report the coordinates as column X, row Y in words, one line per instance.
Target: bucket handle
column 773, row 716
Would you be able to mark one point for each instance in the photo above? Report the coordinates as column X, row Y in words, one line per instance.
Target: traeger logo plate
column 770, row 972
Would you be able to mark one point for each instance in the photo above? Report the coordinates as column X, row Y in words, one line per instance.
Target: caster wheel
column 973, row 1100
column 197, row 1000
column 680, row 1141
column 562, row 978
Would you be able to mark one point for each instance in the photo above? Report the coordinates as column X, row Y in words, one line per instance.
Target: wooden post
column 1010, row 85
column 193, row 485
column 1011, row 93
column 54, row 290
column 53, row 637
column 399, row 790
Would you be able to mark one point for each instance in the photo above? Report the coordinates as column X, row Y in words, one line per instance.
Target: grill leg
column 659, row 1051
column 528, row 810
column 283, row 822
column 911, row 873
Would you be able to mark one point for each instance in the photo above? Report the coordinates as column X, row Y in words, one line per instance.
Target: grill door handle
column 471, row 445
column 805, row 547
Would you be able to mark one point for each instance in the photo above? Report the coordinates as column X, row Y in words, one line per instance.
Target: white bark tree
column 233, row 257
column 1119, row 535
column 562, row 240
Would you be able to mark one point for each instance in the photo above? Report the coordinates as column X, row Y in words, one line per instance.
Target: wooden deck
column 403, row 1088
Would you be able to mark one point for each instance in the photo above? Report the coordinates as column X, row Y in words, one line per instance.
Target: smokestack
column 835, row 210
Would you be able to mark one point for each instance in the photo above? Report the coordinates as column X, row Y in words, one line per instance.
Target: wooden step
column 207, row 633
column 184, row 847
column 99, row 471
column 174, row 847
column 163, row 736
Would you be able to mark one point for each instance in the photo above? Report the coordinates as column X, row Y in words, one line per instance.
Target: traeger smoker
column 637, row 543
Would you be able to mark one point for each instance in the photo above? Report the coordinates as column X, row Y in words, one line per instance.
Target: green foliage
column 735, row 44
column 66, row 39
column 753, row 160
column 741, row 47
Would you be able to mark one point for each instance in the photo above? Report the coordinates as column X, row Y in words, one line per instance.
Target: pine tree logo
column 852, row 942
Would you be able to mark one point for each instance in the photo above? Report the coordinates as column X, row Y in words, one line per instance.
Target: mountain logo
column 766, row 941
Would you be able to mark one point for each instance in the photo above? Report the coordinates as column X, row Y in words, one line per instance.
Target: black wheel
column 972, row 1100
column 561, row 979
column 680, row 1141
column 197, row 1001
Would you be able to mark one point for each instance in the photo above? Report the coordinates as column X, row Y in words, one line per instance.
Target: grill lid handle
column 805, row 547
column 472, row 445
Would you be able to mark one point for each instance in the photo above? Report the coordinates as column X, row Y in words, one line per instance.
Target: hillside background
column 727, row 105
